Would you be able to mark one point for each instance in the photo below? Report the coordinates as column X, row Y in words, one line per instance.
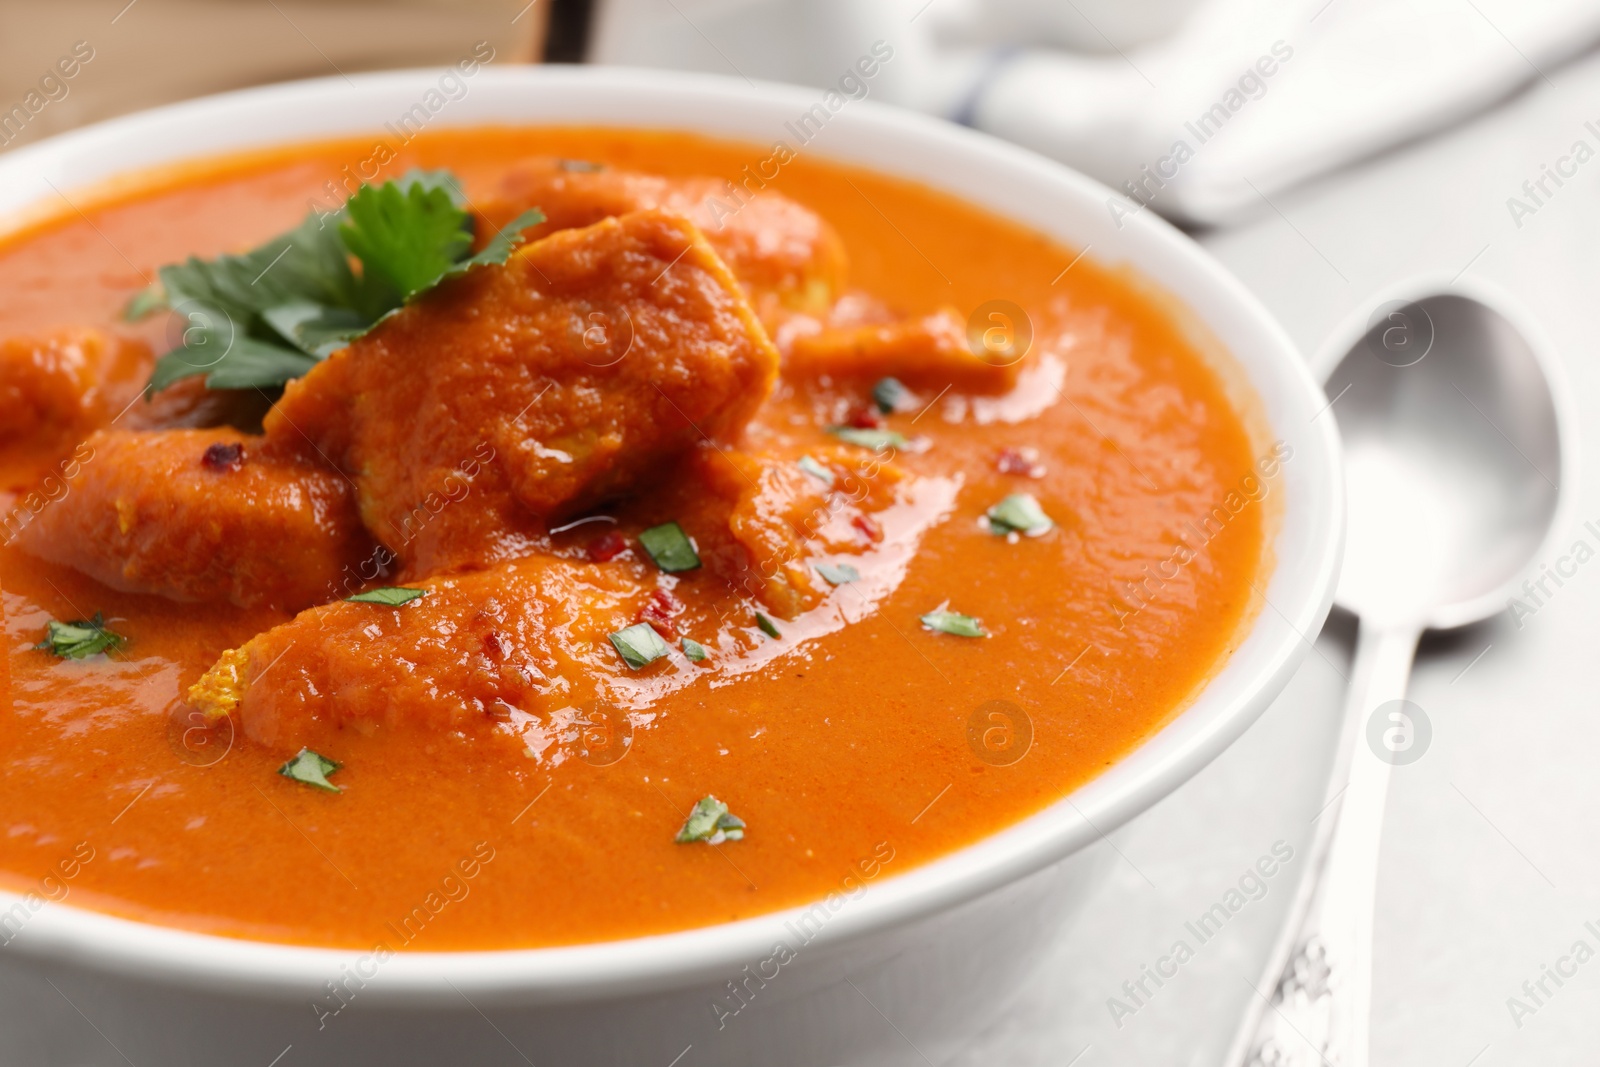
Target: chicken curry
column 576, row 536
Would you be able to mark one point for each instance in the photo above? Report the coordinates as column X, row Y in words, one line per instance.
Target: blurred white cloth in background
column 1200, row 109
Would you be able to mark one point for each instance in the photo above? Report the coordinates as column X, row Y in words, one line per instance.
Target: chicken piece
column 66, row 381
column 201, row 515
column 523, row 392
column 505, row 646
column 931, row 352
column 764, row 520
column 520, row 648
column 785, row 254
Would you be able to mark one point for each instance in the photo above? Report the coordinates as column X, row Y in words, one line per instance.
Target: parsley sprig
column 260, row 319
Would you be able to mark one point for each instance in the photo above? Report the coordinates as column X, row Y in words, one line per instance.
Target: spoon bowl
column 1453, row 460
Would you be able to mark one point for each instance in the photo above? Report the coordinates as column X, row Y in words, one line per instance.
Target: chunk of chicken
column 67, row 381
column 527, row 391
column 504, row 646
column 785, row 254
column 931, row 352
column 765, row 520
column 520, row 648
column 201, row 515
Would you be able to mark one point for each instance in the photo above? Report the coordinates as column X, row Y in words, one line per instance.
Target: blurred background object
column 1199, row 109
column 124, row 56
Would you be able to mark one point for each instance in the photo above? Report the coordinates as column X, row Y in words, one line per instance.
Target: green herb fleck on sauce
column 391, row 596
column 877, row 440
column 80, row 638
column 670, row 547
column 1019, row 513
column 950, row 622
column 890, row 394
column 711, row 822
column 312, row 769
column 639, row 645
column 838, row 573
column 816, row 470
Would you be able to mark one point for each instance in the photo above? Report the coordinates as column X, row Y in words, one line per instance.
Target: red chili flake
column 607, row 546
column 868, row 526
column 223, row 457
column 494, row 645
column 864, row 418
column 1024, row 461
column 659, row 612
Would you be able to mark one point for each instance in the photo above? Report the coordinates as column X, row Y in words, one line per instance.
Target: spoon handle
column 1311, row 1007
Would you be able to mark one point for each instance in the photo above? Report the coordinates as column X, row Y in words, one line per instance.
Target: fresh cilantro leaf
column 407, row 233
column 252, row 364
column 1019, row 513
column 768, row 627
column 390, row 596
column 877, row 440
column 711, row 822
column 150, row 298
column 950, row 622
column 499, row 247
column 263, row 318
column 639, row 645
column 670, row 547
column 79, row 638
column 694, row 650
column 307, row 263
column 316, row 329
column 816, row 470
column 890, row 394
column 312, row 769
column 838, row 574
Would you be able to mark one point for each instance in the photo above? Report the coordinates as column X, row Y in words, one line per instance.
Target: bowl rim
column 1046, row 197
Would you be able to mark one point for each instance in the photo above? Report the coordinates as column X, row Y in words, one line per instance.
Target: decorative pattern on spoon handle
column 1311, row 1008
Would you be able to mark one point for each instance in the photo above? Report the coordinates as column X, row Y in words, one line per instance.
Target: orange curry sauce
column 840, row 744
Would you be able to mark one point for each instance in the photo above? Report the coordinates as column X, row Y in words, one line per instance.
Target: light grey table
column 1491, row 852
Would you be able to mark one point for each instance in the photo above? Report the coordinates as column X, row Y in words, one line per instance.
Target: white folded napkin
column 1254, row 96
column 1199, row 109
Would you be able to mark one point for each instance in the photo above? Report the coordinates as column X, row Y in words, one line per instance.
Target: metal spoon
column 1455, row 453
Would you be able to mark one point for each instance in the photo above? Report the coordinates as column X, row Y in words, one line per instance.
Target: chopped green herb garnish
column 890, row 394
column 312, row 769
column 950, row 622
column 877, row 440
column 816, row 470
column 711, row 822
column 259, row 319
column 142, row 303
column 639, row 645
column 768, row 627
column 1019, row 513
column 79, row 638
column 670, row 547
column 838, row 573
column 694, row 650
column 390, row 596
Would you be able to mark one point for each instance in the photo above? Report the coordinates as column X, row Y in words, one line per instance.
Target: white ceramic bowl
column 929, row 952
